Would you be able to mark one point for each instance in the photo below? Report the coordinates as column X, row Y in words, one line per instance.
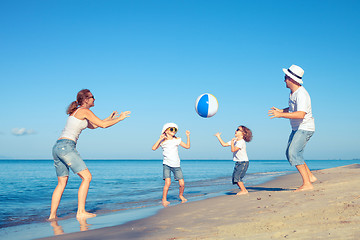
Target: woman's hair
column 81, row 96
column 246, row 133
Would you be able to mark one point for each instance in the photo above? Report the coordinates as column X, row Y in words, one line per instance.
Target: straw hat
column 169, row 125
column 295, row 73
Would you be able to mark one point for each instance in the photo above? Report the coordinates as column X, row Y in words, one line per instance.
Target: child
column 169, row 143
column 238, row 147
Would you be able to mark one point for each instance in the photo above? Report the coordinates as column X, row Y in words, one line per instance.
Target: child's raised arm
column 224, row 144
column 187, row 145
column 158, row 142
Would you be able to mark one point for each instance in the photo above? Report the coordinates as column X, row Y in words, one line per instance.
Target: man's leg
column 243, row 190
column 311, row 176
column 303, row 170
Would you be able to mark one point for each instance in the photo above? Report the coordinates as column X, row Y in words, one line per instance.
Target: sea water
column 121, row 186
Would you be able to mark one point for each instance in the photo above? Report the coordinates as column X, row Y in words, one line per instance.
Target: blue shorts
column 178, row 175
column 66, row 156
column 239, row 171
column 296, row 144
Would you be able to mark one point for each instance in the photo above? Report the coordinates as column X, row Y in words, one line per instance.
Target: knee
column 62, row 182
column 87, row 177
column 181, row 183
column 290, row 153
column 167, row 182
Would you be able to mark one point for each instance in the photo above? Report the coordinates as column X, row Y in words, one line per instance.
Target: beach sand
column 269, row 211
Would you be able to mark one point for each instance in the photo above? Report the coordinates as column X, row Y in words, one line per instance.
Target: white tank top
column 73, row 127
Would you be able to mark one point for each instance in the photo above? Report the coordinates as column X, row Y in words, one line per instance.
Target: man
column 302, row 123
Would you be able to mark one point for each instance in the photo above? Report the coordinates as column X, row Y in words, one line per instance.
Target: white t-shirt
column 300, row 101
column 171, row 152
column 240, row 155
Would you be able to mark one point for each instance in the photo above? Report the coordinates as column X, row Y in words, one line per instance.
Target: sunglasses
column 92, row 97
column 239, row 130
column 172, row 129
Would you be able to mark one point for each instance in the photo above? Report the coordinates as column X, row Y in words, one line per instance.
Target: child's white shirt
column 171, row 152
column 240, row 155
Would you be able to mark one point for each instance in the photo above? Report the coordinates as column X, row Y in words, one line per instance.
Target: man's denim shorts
column 239, row 171
column 296, row 145
column 178, row 175
column 65, row 155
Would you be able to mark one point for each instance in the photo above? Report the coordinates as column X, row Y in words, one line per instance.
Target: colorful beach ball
column 206, row 105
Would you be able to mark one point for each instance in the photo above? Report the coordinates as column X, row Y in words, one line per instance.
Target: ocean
column 120, row 191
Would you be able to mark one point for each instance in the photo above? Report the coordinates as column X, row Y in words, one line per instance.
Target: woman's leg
column 82, row 194
column 56, row 197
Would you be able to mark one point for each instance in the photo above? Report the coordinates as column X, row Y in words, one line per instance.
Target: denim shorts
column 178, row 175
column 239, row 171
column 296, row 145
column 66, row 156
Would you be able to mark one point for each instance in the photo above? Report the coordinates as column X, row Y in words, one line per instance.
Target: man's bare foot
column 313, row 179
column 165, row 203
column 305, row 188
column 242, row 193
column 183, row 200
column 85, row 215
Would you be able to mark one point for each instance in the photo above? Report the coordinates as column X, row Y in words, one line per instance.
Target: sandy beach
column 270, row 211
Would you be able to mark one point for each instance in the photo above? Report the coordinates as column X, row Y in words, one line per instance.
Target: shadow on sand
column 258, row 189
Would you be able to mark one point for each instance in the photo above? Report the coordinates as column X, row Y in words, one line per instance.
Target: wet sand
column 270, row 211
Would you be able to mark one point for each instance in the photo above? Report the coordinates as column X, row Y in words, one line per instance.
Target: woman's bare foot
column 305, row 188
column 52, row 218
column 183, row 200
column 242, row 193
column 85, row 215
column 165, row 203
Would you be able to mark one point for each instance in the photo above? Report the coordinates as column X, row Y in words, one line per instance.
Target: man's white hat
column 295, row 73
column 169, row 125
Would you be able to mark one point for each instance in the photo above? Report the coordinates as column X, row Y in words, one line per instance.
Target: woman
column 65, row 153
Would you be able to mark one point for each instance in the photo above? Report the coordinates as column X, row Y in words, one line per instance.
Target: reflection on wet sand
column 84, row 226
column 58, row 230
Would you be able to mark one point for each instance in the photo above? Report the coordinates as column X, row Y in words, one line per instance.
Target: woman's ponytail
column 81, row 96
column 72, row 107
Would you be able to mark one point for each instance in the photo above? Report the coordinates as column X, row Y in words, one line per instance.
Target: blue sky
column 155, row 58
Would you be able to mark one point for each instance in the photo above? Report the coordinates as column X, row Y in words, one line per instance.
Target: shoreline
column 69, row 224
column 270, row 210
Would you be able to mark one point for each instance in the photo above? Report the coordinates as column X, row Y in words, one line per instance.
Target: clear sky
column 155, row 58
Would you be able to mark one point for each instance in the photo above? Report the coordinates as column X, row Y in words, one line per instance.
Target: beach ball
column 206, row 105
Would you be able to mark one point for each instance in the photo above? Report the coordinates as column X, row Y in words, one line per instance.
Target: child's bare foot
column 305, row 188
column 85, row 215
column 165, row 203
column 183, row 200
column 242, row 193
